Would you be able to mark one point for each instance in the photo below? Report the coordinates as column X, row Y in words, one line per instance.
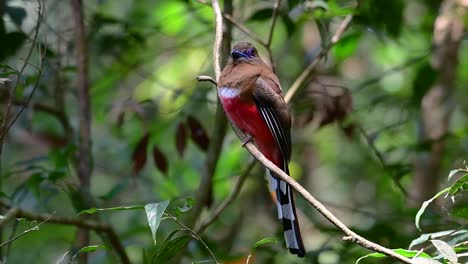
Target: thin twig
column 246, row 30
column 274, row 16
column 217, row 212
column 350, row 235
column 308, row 70
column 381, row 159
column 218, row 38
column 205, row 78
column 25, row 232
column 195, row 235
column 5, row 128
column 98, row 227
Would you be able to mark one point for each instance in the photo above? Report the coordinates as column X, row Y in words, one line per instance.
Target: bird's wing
column 274, row 112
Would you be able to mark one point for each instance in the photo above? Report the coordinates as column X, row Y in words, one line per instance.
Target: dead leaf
column 160, row 160
column 139, row 154
column 198, row 133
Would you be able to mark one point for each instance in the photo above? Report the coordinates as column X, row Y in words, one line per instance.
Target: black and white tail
column 287, row 213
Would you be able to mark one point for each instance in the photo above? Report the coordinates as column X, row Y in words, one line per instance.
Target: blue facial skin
column 236, row 54
column 239, row 54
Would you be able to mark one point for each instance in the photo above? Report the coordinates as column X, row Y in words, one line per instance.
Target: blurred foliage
column 355, row 135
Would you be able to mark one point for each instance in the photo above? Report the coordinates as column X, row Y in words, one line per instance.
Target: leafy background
column 357, row 134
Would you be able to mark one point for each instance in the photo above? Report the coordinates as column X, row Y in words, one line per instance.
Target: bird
column 251, row 96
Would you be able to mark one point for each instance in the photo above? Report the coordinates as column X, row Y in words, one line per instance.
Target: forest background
column 111, row 150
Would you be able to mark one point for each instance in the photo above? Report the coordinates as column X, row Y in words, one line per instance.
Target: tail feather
column 287, row 213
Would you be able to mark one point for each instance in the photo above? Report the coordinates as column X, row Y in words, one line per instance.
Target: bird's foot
column 246, row 140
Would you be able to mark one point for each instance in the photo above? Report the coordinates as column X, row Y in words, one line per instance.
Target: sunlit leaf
column 154, row 213
column 446, row 250
column 456, row 237
column 89, row 249
column 188, row 203
column 139, row 155
column 459, row 185
column 160, row 160
column 425, row 205
column 347, row 46
column 263, row 242
column 118, row 208
column 401, row 251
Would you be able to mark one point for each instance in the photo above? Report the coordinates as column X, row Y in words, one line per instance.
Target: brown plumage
column 252, row 98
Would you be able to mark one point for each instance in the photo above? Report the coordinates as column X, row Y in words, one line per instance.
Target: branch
column 220, row 50
column 350, row 235
column 83, row 157
column 308, row 71
column 195, row 235
column 77, row 222
column 5, row 127
column 217, row 212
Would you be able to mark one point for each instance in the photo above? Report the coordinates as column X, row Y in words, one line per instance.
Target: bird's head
column 244, row 52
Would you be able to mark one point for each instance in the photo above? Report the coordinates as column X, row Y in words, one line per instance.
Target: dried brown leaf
column 198, row 133
column 160, row 160
column 139, row 155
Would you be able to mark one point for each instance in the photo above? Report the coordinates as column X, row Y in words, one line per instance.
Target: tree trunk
column 437, row 104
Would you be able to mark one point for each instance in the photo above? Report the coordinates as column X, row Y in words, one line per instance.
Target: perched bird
column 252, row 98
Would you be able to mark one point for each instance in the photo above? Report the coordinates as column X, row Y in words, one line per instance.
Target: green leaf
column 425, row 205
column 446, row 250
column 263, row 242
column 401, row 251
column 423, row 81
column 457, row 237
column 262, row 14
column 11, row 42
column 17, row 14
column 347, row 46
column 89, row 249
column 154, row 213
column 169, row 250
column 119, row 208
column 459, row 185
column 184, row 208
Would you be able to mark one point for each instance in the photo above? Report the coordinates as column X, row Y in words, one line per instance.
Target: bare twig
column 83, row 157
column 195, row 235
column 274, row 16
column 350, row 235
column 308, row 70
column 381, row 159
column 98, row 227
column 5, row 126
column 220, row 50
column 205, row 78
column 217, row 212
column 25, row 232
column 218, row 38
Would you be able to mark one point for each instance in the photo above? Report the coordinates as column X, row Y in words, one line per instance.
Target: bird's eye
column 238, row 54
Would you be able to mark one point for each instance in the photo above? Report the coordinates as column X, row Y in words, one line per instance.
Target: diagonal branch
column 350, row 235
column 299, row 82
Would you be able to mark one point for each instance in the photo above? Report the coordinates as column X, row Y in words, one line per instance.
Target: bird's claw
column 246, row 140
